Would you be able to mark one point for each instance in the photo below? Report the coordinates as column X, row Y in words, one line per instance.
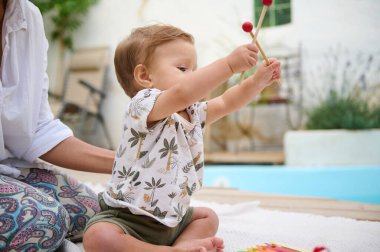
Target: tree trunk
column 168, row 162
column 139, row 148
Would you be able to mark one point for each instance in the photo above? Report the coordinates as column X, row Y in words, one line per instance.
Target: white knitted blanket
column 246, row 225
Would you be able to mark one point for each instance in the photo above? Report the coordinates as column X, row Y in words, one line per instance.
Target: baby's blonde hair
column 138, row 48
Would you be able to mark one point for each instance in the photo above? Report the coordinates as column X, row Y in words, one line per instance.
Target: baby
column 159, row 163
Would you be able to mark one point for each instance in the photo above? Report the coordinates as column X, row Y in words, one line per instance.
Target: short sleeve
column 139, row 108
column 202, row 113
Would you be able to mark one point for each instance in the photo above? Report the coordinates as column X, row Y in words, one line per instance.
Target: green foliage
column 343, row 112
column 66, row 15
column 375, row 117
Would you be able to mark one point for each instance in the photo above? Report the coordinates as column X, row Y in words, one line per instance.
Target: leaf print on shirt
column 172, row 196
column 170, row 121
column 132, row 178
column 153, row 186
column 137, row 108
column 203, row 124
column 186, row 190
column 138, row 138
column 183, row 186
column 124, row 173
column 187, row 167
column 117, row 196
column 127, row 174
column 179, row 211
column 143, row 153
column 192, row 189
column 175, row 164
column 197, row 165
column 120, row 152
column 157, row 212
column 147, row 93
column 148, row 163
column 193, row 135
column 192, row 163
column 128, row 197
column 168, row 150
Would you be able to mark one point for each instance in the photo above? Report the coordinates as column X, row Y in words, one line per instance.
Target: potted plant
column 341, row 130
column 342, row 127
column 66, row 17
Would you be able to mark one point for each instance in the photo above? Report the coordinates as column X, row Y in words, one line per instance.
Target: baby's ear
column 142, row 77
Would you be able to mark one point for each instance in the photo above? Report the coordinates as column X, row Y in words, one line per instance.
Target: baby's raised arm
column 194, row 86
column 240, row 95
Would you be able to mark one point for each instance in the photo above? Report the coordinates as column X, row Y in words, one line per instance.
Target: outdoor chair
column 84, row 92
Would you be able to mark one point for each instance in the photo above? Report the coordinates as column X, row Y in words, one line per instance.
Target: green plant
column 375, row 117
column 66, row 15
column 343, row 112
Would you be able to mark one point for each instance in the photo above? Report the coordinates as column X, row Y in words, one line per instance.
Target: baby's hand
column 266, row 74
column 242, row 58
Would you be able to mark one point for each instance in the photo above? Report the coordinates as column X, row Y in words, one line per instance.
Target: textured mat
column 245, row 225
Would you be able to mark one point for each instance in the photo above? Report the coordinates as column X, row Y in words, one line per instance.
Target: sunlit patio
column 323, row 116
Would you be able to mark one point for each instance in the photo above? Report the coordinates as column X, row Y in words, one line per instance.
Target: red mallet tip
column 247, row 26
column 319, row 249
column 267, row 2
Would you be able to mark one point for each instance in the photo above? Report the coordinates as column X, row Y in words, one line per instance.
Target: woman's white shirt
column 27, row 126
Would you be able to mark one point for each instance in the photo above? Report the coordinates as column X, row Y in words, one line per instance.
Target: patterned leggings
column 41, row 208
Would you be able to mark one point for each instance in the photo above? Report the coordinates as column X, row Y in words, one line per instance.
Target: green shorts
column 141, row 227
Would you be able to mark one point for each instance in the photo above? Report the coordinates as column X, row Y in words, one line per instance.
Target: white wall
column 318, row 25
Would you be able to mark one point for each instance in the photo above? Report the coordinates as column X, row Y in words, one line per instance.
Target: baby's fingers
column 276, row 77
column 252, row 61
column 252, row 47
column 276, row 74
column 273, row 63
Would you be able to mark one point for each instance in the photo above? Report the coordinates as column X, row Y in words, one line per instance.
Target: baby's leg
column 105, row 236
column 201, row 230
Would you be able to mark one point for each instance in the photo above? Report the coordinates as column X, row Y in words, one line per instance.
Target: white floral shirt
column 157, row 169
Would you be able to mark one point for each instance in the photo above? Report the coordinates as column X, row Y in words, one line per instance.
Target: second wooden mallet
column 248, row 27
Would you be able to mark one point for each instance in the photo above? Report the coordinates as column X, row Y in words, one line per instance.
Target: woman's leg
column 80, row 201
column 29, row 219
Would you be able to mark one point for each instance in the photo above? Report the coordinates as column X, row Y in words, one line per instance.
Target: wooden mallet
column 266, row 4
column 248, row 27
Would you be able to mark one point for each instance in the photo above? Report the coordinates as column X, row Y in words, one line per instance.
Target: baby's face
column 171, row 61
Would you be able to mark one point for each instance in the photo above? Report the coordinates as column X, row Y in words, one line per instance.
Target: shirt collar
column 15, row 15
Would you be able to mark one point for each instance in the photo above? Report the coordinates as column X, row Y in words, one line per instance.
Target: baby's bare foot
column 211, row 244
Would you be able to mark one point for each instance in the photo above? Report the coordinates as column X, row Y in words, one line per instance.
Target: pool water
column 358, row 184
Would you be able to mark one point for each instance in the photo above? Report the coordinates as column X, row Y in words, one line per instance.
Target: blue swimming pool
column 358, row 184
